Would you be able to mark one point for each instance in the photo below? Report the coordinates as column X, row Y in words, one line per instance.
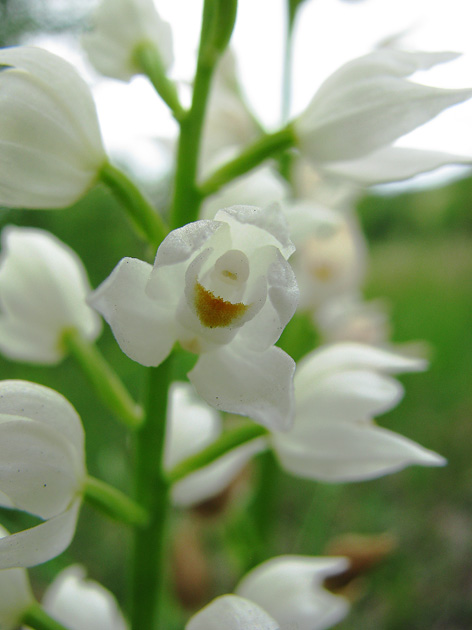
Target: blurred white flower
column 230, row 612
column 82, row 604
column 15, row 594
column 290, row 589
column 260, row 187
column 118, row 28
column 43, row 288
column 338, row 390
column 280, row 594
column 365, row 106
column 42, row 470
column 192, row 425
column 330, row 257
column 50, row 144
column 349, row 318
column 225, row 291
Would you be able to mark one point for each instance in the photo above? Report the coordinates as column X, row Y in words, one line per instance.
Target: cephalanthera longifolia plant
column 260, row 227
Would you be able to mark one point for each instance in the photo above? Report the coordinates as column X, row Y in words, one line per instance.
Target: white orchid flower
column 82, row 604
column 280, row 594
column 42, row 470
column 43, row 288
column 118, row 28
column 365, row 106
column 290, row 589
column 330, row 257
column 50, row 144
column 225, row 291
column 193, row 425
column 339, row 389
column 15, row 594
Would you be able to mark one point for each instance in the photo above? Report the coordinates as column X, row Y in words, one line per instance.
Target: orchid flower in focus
column 224, row 290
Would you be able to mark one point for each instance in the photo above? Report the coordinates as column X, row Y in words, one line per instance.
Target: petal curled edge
column 290, row 589
column 40, row 543
column 231, row 612
column 345, row 452
column 143, row 327
column 268, row 226
column 255, row 384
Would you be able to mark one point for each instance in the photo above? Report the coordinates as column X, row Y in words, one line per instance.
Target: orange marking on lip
column 214, row 312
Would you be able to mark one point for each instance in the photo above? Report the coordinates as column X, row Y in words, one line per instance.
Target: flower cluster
column 247, row 248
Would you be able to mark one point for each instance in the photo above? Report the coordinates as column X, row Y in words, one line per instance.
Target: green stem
column 266, row 147
column 37, row 618
column 152, row 490
column 144, row 217
column 113, row 502
column 187, row 197
column 227, row 442
column 103, row 378
column 148, row 59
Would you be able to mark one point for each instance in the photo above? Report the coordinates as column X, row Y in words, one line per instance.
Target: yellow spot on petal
column 213, row 311
column 229, row 274
column 323, row 272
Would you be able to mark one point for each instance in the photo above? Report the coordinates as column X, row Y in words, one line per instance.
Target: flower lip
column 215, row 312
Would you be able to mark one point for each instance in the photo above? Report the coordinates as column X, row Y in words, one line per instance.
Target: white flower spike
column 366, row 105
column 50, row 144
column 15, row 594
column 339, row 389
column 290, row 589
column 82, row 604
column 193, row 425
column 225, row 291
column 119, row 27
column 43, row 289
column 42, row 470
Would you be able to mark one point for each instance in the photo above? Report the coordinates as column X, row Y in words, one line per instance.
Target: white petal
column 230, row 612
column 252, row 228
column 43, row 288
column 40, row 543
column 345, row 452
column 48, row 129
column 191, row 424
column 259, row 188
column 282, row 299
column 82, row 604
column 254, row 384
column 393, row 164
column 349, row 395
column 181, row 244
column 213, row 479
column 45, row 405
column 15, row 594
column 366, row 105
column 39, row 470
column 348, row 355
column 143, row 327
column 290, row 589
column 119, row 26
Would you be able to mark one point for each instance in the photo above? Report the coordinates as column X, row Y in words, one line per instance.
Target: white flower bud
column 50, row 144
